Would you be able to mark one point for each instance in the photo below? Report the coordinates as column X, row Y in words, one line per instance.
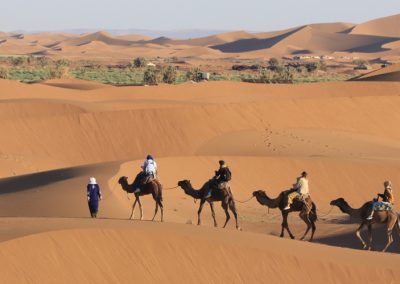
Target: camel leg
column 213, row 214
column 141, row 209
column 225, row 206
column 370, row 247
column 155, row 211
column 389, row 241
column 304, row 217
column 313, row 228
column 232, row 207
column 199, row 211
column 285, row 224
column 133, row 209
column 359, row 235
column 162, row 210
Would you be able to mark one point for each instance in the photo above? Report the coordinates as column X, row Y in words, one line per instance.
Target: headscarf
column 92, row 180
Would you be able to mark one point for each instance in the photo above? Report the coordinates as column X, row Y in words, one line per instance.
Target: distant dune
column 377, row 39
column 387, row 26
column 98, row 36
column 310, row 39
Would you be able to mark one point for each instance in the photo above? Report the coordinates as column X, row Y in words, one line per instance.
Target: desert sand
column 58, row 133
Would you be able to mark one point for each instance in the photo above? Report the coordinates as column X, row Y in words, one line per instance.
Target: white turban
column 92, row 180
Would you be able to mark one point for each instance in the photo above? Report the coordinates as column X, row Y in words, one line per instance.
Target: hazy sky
column 252, row 15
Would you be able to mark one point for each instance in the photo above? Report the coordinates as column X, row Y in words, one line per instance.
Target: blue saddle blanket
column 382, row 206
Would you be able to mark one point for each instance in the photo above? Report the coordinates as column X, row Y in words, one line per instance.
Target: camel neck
column 355, row 213
column 271, row 203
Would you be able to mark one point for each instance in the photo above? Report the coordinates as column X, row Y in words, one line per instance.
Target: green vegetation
column 113, row 76
column 169, row 75
column 194, row 75
column 360, row 62
column 39, row 68
column 151, row 76
column 139, row 62
column 3, row 73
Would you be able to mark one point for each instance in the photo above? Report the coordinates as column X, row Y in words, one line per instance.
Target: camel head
column 338, row 202
column 259, row 193
column 123, row 180
column 184, row 183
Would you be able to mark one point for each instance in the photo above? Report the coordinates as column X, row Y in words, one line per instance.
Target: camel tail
column 313, row 213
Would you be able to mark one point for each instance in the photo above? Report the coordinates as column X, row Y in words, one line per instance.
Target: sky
column 250, row 15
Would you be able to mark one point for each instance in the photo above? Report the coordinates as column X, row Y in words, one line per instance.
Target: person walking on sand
column 93, row 197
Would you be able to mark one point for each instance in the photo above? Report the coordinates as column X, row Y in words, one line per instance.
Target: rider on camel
column 300, row 190
column 387, row 200
column 222, row 176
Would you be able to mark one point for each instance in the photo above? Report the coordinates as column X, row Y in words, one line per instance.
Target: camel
column 390, row 218
column 225, row 196
column 154, row 188
column 297, row 206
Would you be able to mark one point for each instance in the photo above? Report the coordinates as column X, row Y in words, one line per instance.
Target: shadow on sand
column 349, row 240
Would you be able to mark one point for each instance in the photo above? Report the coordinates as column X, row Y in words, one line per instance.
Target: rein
column 245, row 201
column 326, row 214
column 169, row 188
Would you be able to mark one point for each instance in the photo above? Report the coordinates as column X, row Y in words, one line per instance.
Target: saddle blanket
column 382, row 206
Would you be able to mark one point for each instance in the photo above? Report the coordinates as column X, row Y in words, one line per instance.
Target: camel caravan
column 296, row 199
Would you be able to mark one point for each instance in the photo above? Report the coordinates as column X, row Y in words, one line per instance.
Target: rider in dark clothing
column 222, row 176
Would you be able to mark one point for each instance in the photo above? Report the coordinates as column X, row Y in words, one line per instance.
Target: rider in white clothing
column 150, row 167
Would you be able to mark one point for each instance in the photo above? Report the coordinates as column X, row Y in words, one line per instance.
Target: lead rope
column 245, row 200
column 323, row 215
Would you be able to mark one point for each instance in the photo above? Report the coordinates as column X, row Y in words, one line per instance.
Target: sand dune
column 371, row 40
column 58, row 133
column 74, row 84
column 216, row 39
column 387, row 26
column 155, row 252
column 310, row 39
column 98, row 36
column 389, row 73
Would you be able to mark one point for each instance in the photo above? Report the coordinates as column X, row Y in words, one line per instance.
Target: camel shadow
column 349, row 239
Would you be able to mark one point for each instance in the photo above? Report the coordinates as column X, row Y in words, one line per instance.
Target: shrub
column 62, row 63
column 360, row 62
column 274, row 64
column 265, row 76
column 285, row 75
column 16, row 61
column 321, row 65
column 169, row 75
column 58, row 72
column 139, row 62
column 194, row 74
column 43, row 61
column 150, row 76
column 4, row 73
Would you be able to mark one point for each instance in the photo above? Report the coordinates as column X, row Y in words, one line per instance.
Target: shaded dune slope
column 158, row 252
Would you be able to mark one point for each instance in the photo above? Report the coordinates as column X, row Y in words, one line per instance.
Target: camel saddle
column 307, row 203
column 382, row 206
column 222, row 186
column 147, row 179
